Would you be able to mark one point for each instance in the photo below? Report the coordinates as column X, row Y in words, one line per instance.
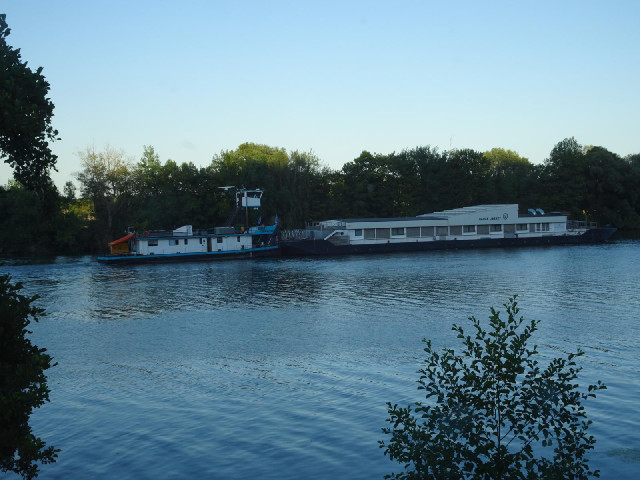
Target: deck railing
column 580, row 224
column 306, row 234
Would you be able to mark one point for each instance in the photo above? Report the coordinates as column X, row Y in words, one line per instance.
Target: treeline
column 116, row 193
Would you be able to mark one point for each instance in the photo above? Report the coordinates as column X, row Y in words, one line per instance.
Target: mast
column 245, row 198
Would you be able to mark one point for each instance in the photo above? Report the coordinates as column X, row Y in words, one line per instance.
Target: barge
column 480, row 226
column 184, row 244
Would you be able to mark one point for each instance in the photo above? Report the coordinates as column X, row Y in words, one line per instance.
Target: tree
column 293, row 182
column 492, row 412
column 69, row 191
column 25, row 129
column 309, row 187
column 38, row 222
column 23, row 384
column 564, row 183
column 512, row 177
column 612, row 191
column 106, row 179
column 25, row 115
column 432, row 171
column 365, row 188
column 170, row 195
column 466, row 182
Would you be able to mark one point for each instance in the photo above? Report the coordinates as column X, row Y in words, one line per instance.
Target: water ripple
column 281, row 368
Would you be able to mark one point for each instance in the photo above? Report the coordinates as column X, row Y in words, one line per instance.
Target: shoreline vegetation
column 112, row 193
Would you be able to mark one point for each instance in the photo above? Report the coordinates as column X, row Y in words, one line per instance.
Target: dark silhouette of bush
column 492, row 411
column 23, row 384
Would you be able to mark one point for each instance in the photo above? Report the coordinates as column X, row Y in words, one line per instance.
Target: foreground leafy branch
column 492, row 411
column 23, row 384
column 25, row 116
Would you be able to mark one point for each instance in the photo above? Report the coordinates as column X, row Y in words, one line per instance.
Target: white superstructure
column 467, row 223
column 184, row 243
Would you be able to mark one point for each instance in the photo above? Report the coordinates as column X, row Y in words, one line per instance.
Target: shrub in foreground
column 23, row 384
column 492, row 411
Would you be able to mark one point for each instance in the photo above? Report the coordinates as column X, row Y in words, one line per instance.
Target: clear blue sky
column 192, row 78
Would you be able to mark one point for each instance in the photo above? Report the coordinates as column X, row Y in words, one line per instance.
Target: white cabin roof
column 473, row 215
column 473, row 209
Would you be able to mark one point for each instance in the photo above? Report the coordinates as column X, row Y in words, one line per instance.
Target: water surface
column 281, row 369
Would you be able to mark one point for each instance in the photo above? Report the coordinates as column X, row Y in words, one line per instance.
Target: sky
column 193, row 78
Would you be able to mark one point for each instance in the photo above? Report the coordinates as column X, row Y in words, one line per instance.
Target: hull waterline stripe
column 189, row 254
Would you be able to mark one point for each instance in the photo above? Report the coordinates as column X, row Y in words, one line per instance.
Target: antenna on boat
column 244, row 198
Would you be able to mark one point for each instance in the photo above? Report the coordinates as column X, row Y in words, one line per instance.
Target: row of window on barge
column 469, row 227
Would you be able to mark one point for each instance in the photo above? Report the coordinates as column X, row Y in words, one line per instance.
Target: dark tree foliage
column 612, row 190
column 296, row 185
column 25, row 115
column 492, row 411
column 106, row 180
column 116, row 194
column 432, row 171
column 23, row 384
column 512, row 178
column 563, row 183
column 309, row 184
column 367, row 189
column 40, row 223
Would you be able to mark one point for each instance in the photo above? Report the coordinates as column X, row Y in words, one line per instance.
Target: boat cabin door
column 209, row 244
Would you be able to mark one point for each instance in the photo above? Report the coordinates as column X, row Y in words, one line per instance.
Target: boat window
column 542, row 227
column 442, row 231
column 397, row 231
column 153, row 243
column 382, row 232
column 357, row 232
column 469, row 229
column 186, row 240
column 413, row 232
column 455, row 230
column 369, row 233
column 219, row 239
column 483, row 229
column 426, row 232
column 496, row 228
column 522, row 227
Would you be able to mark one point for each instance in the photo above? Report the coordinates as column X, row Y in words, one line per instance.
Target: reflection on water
column 281, row 368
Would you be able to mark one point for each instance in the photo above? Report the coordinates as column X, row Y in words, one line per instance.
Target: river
column 281, row 368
